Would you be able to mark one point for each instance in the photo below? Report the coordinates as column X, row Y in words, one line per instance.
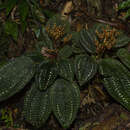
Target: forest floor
column 98, row 112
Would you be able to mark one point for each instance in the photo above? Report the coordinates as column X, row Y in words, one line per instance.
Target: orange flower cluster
column 106, row 39
column 55, row 32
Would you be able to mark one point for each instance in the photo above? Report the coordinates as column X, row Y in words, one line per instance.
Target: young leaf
column 87, row 39
column 66, row 69
column 14, row 76
column 65, row 98
column 46, row 75
column 37, row 106
column 85, row 68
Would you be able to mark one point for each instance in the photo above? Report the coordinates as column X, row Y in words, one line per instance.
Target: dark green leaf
column 85, row 68
column 65, row 52
column 37, row 106
column 124, row 56
column 36, row 56
column 66, row 69
column 87, row 39
column 122, row 40
column 116, row 80
column 15, row 75
column 77, row 48
column 46, row 75
column 65, row 98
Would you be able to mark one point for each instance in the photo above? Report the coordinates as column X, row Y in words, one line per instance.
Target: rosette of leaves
column 60, row 68
column 52, row 65
column 106, row 46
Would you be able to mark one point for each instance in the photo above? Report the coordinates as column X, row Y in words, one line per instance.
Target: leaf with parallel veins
column 117, row 81
column 37, row 106
column 46, row 75
column 122, row 40
column 124, row 56
column 65, row 52
column 15, row 75
column 65, row 69
column 85, row 68
column 65, row 98
column 87, row 41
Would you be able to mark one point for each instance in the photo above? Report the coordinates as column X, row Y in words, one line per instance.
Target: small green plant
column 63, row 62
column 125, row 5
column 54, row 88
column 104, row 44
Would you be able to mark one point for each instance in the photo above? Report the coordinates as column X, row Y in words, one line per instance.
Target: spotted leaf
column 117, row 81
column 46, row 75
column 65, row 98
column 37, row 106
column 87, row 39
column 15, row 75
column 66, row 69
column 85, row 68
